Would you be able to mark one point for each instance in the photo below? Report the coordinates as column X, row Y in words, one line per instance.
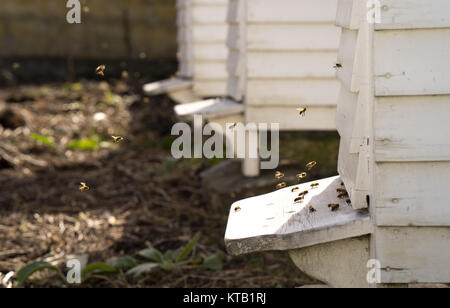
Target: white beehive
column 281, row 57
column 202, row 52
column 394, row 157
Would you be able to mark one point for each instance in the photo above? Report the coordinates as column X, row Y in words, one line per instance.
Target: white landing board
column 275, row 222
column 167, row 86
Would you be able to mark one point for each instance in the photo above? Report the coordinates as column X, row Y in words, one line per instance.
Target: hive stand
column 281, row 57
column 202, row 53
column 394, row 157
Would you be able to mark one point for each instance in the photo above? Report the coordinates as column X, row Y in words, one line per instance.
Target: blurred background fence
column 36, row 35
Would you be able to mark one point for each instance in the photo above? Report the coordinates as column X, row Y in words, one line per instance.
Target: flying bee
column 281, row 185
column 298, row 199
column 83, row 186
column 279, row 175
column 342, row 195
column 100, row 70
column 341, row 190
column 337, row 65
column 348, row 201
column 302, row 111
column 301, row 175
column 117, row 139
column 303, row 193
column 333, row 206
column 311, row 209
column 294, row 189
column 237, row 209
column 314, row 185
column 310, row 165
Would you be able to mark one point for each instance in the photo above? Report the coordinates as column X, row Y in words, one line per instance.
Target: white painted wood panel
column 289, row 37
column 209, row 2
column 412, row 128
column 209, row 15
column 412, row 62
column 264, row 11
column 210, row 70
column 235, row 65
column 354, row 171
column 235, row 11
column 412, row 194
column 345, row 112
column 413, row 254
column 304, row 92
column 350, row 57
column 210, row 33
column 234, row 37
column 350, row 13
column 318, row 118
column 281, row 64
column 210, row 88
column 210, row 52
column 414, row 14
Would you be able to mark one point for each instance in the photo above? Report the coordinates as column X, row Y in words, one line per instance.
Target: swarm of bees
column 302, row 111
column 117, row 139
column 83, row 186
column 100, row 70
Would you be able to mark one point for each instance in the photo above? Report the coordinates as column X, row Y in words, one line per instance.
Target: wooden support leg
column 250, row 164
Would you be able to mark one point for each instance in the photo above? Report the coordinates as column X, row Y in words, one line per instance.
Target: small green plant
column 85, row 144
column 133, row 266
column 42, row 139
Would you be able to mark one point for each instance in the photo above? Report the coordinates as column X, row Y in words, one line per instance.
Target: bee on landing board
column 302, row 111
column 117, row 139
column 279, row 175
column 237, row 209
column 83, row 186
column 314, row 185
column 100, row 70
column 333, row 206
column 310, row 165
column 294, row 188
column 298, row 199
column 337, row 65
column 341, row 190
column 311, row 209
column 303, row 193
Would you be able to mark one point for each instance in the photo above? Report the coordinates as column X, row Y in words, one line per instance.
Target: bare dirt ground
column 54, row 136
